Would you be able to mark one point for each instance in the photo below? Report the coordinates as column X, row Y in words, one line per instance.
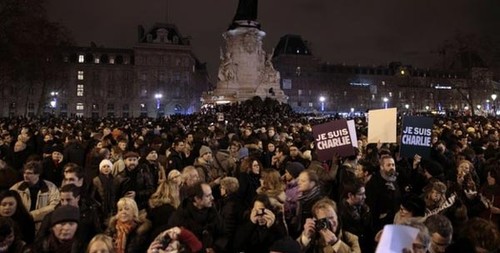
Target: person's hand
column 309, row 228
column 416, row 161
column 328, row 236
column 253, row 216
column 155, row 247
column 269, row 217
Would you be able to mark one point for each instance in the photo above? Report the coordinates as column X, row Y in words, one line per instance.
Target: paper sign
column 416, row 136
column 395, row 238
column 333, row 138
column 382, row 125
column 352, row 131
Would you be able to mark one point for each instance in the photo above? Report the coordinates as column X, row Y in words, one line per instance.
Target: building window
column 64, row 106
column 111, row 107
column 79, row 90
column 81, row 58
column 31, row 106
column 125, row 107
column 390, row 94
column 79, row 106
column 95, row 107
column 12, row 105
column 97, row 60
column 310, row 104
column 111, row 60
column 80, row 74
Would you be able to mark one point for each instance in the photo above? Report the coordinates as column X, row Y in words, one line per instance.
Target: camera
column 165, row 241
column 321, row 224
column 261, row 212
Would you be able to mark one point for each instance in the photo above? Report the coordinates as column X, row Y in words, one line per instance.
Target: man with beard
column 383, row 194
column 134, row 182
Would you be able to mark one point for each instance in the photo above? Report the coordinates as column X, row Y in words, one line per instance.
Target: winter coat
column 139, row 180
column 137, row 239
column 205, row 223
column 48, row 198
column 251, row 237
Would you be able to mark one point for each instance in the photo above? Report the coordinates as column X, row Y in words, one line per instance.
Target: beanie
column 415, row 205
column 204, row 149
column 105, row 162
column 294, row 168
column 433, row 168
column 243, row 153
column 57, row 148
column 65, row 213
column 188, row 239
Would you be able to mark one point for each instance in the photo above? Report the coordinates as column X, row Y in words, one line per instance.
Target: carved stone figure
column 227, row 67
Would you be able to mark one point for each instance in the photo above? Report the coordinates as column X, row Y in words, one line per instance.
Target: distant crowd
column 240, row 178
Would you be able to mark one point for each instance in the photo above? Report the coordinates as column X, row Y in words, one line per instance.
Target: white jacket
column 48, row 198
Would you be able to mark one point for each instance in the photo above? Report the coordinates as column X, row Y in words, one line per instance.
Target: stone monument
column 245, row 70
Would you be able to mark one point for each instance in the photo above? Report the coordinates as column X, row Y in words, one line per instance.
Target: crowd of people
column 247, row 181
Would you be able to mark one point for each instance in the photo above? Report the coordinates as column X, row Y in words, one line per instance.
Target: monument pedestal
column 245, row 70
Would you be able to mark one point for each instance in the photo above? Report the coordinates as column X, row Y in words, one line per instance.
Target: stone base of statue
column 246, row 70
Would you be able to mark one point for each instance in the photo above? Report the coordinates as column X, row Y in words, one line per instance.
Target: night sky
column 362, row 32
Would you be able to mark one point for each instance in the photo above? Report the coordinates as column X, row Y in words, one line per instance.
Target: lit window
column 310, row 104
column 390, row 94
column 79, row 106
column 81, row 58
column 80, row 74
column 97, row 60
column 111, row 60
column 79, row 90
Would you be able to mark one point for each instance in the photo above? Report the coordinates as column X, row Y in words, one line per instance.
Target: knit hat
column 130, row 154
column 285, row 245
column 204, row 149
column 105, row 162
column 294, row 168
column 415, row 205
column 190, row 240
column 243, row 152
column 433, row 168
column 65, row 213
column 57, row 148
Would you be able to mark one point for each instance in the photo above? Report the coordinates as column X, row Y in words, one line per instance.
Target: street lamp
column 494, row 97
column 53, row 102
column 385, row 99
column 158, row 96
column 322, row 100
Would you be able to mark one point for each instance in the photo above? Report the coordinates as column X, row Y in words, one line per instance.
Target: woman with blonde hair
column 129, row 230
column 273, row 187
column 101, row 243
column 162, row 204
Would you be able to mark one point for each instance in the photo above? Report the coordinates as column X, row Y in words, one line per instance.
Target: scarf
column 389, row 180
column 54, row 245
column 122, row 231
column 310, row 195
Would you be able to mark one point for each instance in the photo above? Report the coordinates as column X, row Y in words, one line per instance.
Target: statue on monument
column 247, row 10
column 226, row 69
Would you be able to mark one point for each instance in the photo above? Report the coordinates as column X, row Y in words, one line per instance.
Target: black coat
column 205, row 223
column 139, row 180
column 254, row 238
column 383, row 201
column 231, row 212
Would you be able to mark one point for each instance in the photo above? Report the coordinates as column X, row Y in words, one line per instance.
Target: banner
column 416, row 136
column 382, row 125
column 333, row 138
